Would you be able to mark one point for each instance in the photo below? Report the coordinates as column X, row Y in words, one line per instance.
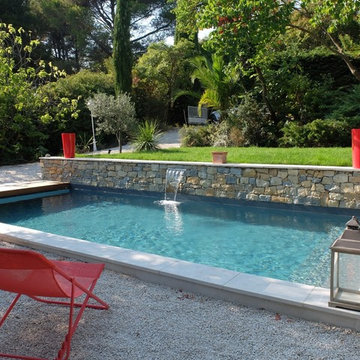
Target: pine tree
column 122, row 50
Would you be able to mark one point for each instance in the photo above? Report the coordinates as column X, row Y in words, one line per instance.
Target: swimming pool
column 279, row 243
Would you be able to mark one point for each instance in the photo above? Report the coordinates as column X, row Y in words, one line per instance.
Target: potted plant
column 219, row 157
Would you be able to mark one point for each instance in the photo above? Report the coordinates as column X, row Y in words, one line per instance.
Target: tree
column 333, row 19
column 17, row 13
column 79, row 33
column 161, row 72
column 79, row 86
column 249, row 26
column 151, row 20
column 116, row 115
column 185, row 12
column 122, row 50
column 63, row 27
column 25, row 108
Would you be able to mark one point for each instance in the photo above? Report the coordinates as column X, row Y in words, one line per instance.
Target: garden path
column 32, row 172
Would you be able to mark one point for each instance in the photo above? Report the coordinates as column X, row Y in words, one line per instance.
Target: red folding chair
column 29, row 273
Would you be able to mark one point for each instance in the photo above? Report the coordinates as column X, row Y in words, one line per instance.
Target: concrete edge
column 294, row 299
column 184, row 163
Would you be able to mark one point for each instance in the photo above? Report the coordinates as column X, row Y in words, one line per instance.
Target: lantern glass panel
column 346, row 280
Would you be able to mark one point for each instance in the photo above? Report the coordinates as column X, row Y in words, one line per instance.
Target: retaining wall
column 292, row 184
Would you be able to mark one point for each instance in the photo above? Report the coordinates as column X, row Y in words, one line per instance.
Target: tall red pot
column 68, row 142
column 355, row 137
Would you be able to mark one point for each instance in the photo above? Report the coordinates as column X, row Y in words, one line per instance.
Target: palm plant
column 217, row 79
column 148, row 136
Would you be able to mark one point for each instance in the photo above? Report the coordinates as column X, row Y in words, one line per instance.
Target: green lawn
column 254, row 155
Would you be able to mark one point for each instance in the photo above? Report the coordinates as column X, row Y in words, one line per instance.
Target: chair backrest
column 194, row 117
column 28, row 272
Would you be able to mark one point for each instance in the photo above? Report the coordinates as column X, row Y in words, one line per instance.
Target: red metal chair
column 29, row 273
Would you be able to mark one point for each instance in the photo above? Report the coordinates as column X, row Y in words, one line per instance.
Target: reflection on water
column 173, row 218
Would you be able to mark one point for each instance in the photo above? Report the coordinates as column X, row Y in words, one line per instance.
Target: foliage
column 196, row 135
column 248, row 27
column 116, row 115
column 185, row 12
column 254, row 124
column 334, row 129
column 83, row 143
column 16, row 12
column 220, row 135
column 158, row 24
column 348, row 106
column 81, row 86
column 317, row 133
column 63, row 26
column 79, row 33
column 218, row 81
column 148, row 136
column 297, row 96
column 159, row 74
column 26, row 109
column 247, row 155
column 208, row 135
column 122, row 51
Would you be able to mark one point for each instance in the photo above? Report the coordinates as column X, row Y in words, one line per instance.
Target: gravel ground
column 147, row 321
column 20, row 173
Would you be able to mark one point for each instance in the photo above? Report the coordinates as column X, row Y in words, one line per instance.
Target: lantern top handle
column 353, row 224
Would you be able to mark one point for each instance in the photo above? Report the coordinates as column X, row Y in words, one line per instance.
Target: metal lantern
column 345, row 268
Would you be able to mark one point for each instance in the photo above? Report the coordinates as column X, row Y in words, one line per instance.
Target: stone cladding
column 306, row 185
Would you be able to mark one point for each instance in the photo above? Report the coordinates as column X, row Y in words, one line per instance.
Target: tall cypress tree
column 122, row 50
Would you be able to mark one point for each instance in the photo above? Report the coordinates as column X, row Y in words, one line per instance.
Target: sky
column 202, row 35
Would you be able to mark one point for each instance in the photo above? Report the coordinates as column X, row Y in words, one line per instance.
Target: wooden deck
column 31, row 187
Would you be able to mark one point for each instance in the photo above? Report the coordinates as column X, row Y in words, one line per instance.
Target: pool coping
column 196, row 163
column 294, row 299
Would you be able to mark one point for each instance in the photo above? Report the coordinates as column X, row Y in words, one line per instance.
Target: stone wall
column 307, row 185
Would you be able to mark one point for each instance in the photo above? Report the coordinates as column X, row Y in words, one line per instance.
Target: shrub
column 253, row 123
column 348, row 106
column 236, row 137
column 220, row 134
column 317, row 133
column 80, row 86
column 26, row 111
column 196, row 135
column 83, row 143
column 148, row 136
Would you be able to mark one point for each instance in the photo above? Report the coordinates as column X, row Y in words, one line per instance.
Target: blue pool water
column 282, row 244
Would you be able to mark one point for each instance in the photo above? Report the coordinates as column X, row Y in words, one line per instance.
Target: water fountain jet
column 174, row 178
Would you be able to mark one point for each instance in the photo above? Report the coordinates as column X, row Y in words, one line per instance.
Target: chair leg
column 64, row 352
column 13, row 356
column 13, row 303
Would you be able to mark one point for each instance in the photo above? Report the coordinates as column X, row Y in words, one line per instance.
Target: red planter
column 355, row 137
column 68, row 142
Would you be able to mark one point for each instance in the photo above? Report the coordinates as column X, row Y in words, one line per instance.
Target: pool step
column 31, row 187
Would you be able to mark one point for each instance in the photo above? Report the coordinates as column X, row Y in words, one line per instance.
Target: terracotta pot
column 219, row 157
